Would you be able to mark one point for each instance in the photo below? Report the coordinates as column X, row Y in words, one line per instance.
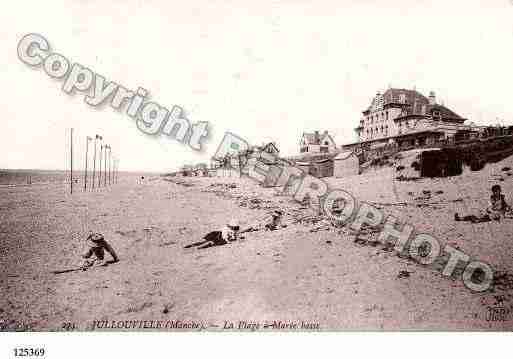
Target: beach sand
column 307, row 272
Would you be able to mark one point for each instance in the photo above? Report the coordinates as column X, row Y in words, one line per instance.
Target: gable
column 329, row 139
column 308, row 139
column 271, row 148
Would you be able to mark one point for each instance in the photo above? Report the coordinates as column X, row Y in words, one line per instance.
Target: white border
column 258, row 345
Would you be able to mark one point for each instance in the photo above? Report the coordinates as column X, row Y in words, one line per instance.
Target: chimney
column 317, row 137
column 432, row 98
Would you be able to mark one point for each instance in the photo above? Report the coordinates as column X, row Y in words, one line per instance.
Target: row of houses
column 397, row 120
column 319, row 157
column 315, row 161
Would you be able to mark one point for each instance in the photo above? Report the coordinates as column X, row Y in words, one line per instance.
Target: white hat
column 95, row 237
column 233, row 223
column 277, row 213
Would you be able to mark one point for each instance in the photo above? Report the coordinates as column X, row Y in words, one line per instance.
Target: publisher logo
column 498, row 313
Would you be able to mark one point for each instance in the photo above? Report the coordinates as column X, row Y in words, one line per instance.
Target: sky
column 264, row 70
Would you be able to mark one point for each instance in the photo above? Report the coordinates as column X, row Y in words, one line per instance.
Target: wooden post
column 110, row 166
column 94, row 159
column 105, row 164
column 100, row 166
column 71, row 163
column 87, row 151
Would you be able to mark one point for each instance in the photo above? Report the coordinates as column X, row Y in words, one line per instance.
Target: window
column 402, row 98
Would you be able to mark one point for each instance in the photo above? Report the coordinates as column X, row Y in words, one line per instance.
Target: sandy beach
column 309, row 273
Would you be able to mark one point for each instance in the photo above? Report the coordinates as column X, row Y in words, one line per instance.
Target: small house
column 346, row 164
column 317, row 143
column 322, row 168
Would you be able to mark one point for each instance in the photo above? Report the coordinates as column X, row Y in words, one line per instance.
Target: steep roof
column 316, row 137
column 393, row 96
column 413, row 103
column 326, row 134
column 444, row 111
column 267, row 147
column 311, row 138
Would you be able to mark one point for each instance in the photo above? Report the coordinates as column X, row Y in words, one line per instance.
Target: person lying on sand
column 271, row 224
column 497, row 208
column 95, row 254
column 275, row 222
column 228, row 233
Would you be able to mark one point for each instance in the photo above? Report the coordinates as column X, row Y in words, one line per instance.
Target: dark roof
column 415, row 103
column 445, row 112
column 392, row 95
column 272, row 147
column 311, row 138
column 315, row 138
column 266, row 147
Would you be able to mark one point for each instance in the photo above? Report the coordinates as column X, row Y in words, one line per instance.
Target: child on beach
column 95, row 254
column 497, row 208
column 273, row 224
column 228, row 233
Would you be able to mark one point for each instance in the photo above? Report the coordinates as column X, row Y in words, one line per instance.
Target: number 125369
column 29, row 352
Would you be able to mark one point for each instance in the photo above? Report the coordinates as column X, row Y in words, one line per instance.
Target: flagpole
column 107, row 169
column 94, row 159
column 87, row 151
column 71, row 162
column 105, row 165
column 100, row 172
column 110, row 166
